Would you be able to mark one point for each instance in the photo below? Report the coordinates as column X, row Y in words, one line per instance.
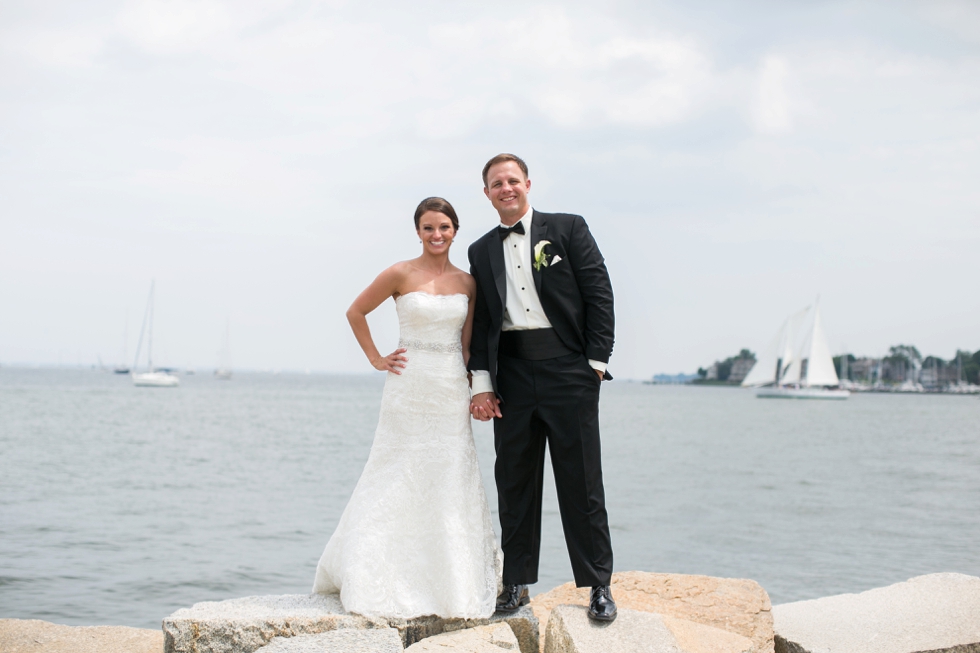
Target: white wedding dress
column 416, row 538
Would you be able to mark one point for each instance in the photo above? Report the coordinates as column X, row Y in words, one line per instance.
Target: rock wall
column 245, row 625
column 666, row 613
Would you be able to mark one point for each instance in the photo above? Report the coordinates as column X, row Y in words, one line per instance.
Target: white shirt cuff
column 598, row 366
column 481, row 382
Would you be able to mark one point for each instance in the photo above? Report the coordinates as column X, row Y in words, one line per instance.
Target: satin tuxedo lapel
column 496, row 251
column 539, row 227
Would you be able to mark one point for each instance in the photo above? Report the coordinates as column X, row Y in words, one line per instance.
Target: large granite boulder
column 377, row 640
column 492, row 638
column 522, row 622
column 734, row 605
column 246, row 624
column 934, row 613
column 35, row 636
column 571, row 631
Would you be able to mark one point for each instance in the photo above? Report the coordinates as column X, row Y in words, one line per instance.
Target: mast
column 139, row 343
column 149, row 340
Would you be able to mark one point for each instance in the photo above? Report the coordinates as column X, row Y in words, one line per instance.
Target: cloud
column 772, row 113
column 233, row 146
column 174, row 26
column 69, row 48
column 582, row 72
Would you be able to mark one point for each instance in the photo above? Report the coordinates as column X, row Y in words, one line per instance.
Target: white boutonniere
column 540, row 258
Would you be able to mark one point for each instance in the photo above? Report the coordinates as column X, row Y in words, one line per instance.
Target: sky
column 261, row 161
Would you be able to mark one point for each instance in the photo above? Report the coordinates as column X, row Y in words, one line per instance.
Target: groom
column 542, row 335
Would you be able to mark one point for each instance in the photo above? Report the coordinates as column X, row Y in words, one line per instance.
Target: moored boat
column 155, row 380
column 152, row 378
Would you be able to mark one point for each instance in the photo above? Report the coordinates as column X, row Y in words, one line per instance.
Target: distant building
column 931, row 378
column 712, row 374
column 740, row 369
column 939, row 374
column 862, row 369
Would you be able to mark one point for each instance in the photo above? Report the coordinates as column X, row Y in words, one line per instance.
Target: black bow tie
column 516, row 229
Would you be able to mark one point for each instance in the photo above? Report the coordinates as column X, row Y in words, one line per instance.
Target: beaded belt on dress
column 438, row 347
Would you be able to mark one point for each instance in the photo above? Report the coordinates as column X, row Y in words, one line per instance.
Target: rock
column 492, row 638
column 571, row 631
column 378, row 640
column 244, row 625
column 34, row 636
column 693, row 637
column 523, row 623
column 734, row 605
column 934, row 613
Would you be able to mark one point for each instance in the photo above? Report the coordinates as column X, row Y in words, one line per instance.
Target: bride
column 416, row 538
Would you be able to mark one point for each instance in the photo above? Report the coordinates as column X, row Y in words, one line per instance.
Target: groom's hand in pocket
column 484, row 406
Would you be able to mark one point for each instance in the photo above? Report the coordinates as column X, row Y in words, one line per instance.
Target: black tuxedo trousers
column 553, row 402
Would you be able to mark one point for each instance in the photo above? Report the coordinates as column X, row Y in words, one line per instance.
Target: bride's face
column 436, row 232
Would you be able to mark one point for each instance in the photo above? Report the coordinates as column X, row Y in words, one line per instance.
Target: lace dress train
column 416, row 537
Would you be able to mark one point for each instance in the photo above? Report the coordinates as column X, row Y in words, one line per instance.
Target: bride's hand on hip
column 393, row 362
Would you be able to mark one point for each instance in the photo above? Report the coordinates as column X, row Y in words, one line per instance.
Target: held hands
column 485, row 406
column 393, row 362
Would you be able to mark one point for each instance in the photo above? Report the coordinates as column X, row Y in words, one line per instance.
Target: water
column 119, row 505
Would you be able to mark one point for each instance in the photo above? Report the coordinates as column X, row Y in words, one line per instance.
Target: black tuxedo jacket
column 576, row 293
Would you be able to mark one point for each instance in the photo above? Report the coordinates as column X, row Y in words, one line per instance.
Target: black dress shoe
column 512, row 598
column 601, row 604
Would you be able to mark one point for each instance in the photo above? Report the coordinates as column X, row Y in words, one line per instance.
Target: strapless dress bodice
column 432, row 323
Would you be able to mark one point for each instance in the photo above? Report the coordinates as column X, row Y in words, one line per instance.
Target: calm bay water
column 119, row 505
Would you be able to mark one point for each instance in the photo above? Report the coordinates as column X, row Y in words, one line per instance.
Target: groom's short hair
column 501, row 158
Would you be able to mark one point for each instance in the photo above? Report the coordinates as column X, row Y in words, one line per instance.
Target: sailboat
column 223, row 373
column 797, row 363
column 150, row 378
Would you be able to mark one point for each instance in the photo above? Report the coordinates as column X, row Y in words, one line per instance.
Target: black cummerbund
column 532, row 344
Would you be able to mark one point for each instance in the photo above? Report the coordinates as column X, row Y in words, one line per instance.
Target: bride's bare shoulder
column 399, row 270
column 465, row 280
column 392, row 279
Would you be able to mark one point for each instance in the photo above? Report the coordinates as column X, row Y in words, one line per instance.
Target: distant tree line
column 905, row 362
column 731, row 370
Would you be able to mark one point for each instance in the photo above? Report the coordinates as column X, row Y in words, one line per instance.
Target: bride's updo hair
column 438, row 205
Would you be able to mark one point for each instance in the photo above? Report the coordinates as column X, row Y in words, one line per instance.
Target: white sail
column 820, row 367
column 764, row 370
column 777, row 355
column 791, row 354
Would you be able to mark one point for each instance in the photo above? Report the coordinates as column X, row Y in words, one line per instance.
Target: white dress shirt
column 523, row 310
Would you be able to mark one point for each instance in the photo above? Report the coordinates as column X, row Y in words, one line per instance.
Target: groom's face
column 507, row 188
